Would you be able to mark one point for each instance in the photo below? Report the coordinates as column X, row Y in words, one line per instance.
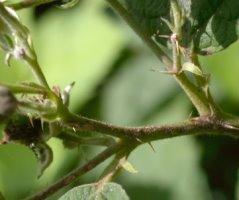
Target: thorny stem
column 72, row 176
column 203, row 83
column 205, row 124
column 201, row 125
column 198, row 98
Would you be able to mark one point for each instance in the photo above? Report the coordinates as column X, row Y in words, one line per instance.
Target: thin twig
column 24, row 89
column 116, row 164
column 37, row 71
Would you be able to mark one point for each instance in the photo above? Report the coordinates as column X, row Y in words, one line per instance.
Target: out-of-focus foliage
column 209, row 26
column 114, row 82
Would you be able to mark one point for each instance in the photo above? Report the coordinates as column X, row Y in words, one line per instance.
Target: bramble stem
column 198, row 99
column 194, row 126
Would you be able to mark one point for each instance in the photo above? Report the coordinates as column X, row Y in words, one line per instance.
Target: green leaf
column 109, row 191
column 190, row 67
column 129, row 167
column 1, row 196
column 210, row 26
column 78, row 52
column 18, row 171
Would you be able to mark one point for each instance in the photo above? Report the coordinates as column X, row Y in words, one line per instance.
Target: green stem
column 115, row 166
column 36, row 70
column 198, row 99
column 195, row 94
column 22, row 89
column 72, row 176
column 36, row 107
column 203, row 84
column 176, row 17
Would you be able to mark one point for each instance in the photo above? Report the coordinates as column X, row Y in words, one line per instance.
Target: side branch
column 194, row 126
column 72, row 176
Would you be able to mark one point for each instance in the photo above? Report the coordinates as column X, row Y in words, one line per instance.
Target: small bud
column 8, row 103
column 18, row 52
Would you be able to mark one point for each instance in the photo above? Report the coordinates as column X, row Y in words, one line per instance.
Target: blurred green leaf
column 210, row 25
column 135, row 93
column 17, row 163
column 224, row 71
column 71, row 46
column 109, row 191
column 169, row 173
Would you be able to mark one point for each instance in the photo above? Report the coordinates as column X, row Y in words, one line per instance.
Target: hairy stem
column 201, row 125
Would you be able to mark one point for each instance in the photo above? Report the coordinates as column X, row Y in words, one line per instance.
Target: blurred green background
column 89, row 44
